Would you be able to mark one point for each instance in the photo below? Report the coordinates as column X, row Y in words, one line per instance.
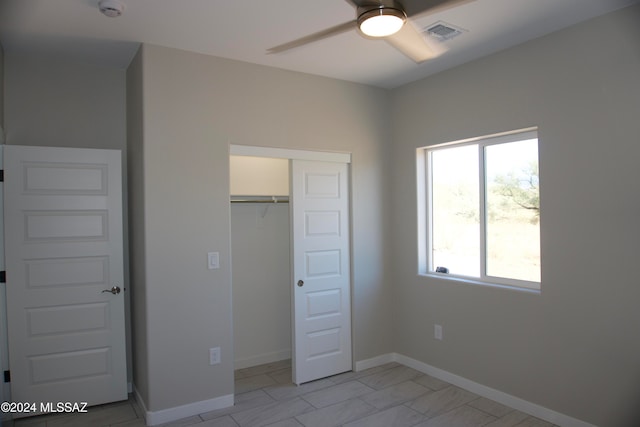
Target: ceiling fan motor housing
column 378, row 7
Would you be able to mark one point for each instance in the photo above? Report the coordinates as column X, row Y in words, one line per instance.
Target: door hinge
column 7, row 376
column 3, row 277
column 1, row 175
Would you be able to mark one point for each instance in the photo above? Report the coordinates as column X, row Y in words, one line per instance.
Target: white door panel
column 320, row 248
column 63, row 234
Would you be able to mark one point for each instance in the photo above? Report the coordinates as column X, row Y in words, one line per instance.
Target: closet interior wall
column 260, row 250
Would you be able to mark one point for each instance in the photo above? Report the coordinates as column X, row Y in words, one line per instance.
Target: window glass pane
column 455, row 210
column 513, row 210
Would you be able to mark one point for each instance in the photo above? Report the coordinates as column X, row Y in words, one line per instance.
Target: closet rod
column 273, row 200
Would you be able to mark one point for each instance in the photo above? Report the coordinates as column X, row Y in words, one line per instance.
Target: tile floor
column 390, row 395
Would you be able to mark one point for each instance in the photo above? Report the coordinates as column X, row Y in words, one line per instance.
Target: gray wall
column 574, row 348
column 135, row 135
column 193, row 107
column 62, row 103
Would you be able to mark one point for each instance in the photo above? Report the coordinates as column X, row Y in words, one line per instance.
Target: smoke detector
column 111, row 8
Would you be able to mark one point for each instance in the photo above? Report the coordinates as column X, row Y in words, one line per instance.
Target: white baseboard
column 479, row 389
column 261, row 359
column 139, row 401
column 375, row 361
column 183, row 411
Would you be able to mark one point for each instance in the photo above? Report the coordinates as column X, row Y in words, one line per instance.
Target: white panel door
column 63, row 236
column 321, row 273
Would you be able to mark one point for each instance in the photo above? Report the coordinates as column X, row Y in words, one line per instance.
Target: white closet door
column 321, row 270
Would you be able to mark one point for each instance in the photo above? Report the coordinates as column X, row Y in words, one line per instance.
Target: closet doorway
column 290, row 255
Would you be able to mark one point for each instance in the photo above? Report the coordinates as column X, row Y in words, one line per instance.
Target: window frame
column 425, row 217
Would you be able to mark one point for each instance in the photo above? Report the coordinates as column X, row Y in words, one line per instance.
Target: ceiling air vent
column 443, row 31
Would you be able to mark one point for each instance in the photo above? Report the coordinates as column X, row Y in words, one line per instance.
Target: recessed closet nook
column 260, row 250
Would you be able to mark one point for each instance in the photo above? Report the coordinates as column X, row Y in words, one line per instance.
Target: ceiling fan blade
column 415, row 45
column 329, row 32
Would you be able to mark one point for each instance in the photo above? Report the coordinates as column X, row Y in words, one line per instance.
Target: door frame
column 5, row 388
column 321, row 156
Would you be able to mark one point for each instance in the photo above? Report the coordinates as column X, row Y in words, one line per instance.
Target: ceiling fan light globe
column 381, row 22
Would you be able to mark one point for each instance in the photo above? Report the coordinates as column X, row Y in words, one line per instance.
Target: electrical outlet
column 214, row 356
column 437, row 331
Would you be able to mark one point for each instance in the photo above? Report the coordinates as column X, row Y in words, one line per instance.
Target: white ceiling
column 244, row 29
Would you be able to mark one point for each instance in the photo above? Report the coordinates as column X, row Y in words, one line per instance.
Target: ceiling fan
column 389, row 20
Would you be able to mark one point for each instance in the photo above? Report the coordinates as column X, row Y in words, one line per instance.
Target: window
column 479, row 210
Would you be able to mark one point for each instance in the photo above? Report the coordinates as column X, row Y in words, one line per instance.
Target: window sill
column 470, row 281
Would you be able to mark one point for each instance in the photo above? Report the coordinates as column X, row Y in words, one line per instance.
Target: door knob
column 300, row 283
column 115, row 290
